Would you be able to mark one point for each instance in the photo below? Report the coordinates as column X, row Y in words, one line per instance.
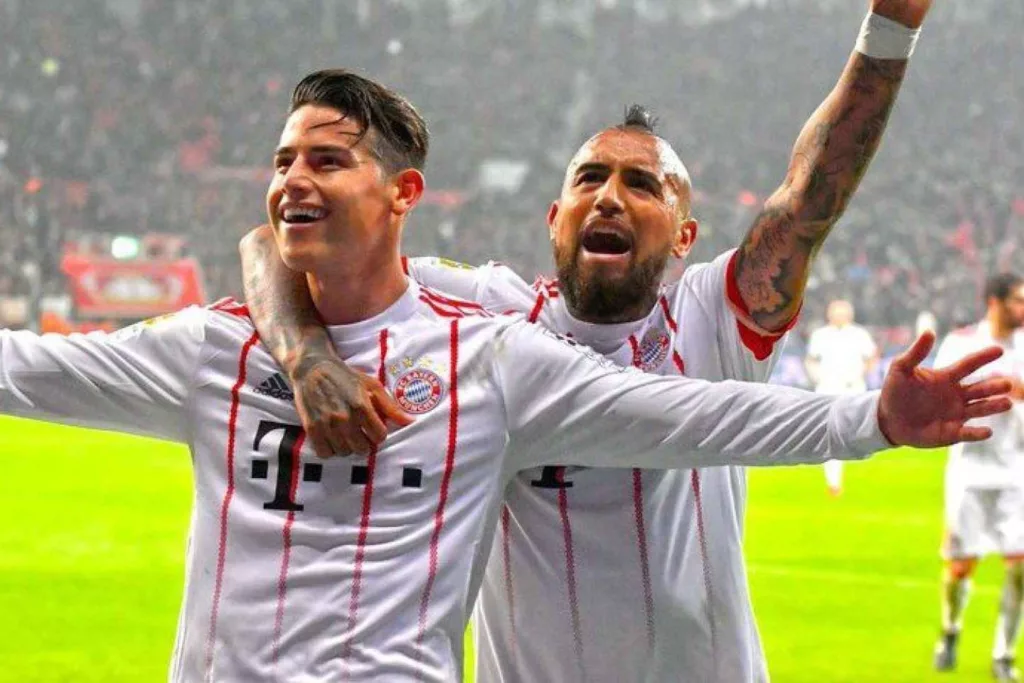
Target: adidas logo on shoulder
column 275, row 387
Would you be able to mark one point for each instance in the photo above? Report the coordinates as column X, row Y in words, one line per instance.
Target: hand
column 342, row 411
column 929, row 408
column 910, row 13
column 1017, row 392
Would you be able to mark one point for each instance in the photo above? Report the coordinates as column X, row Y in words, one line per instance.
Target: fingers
column 321, row 446
column 974, row 434
column 356, row 441
column 988, row 406
column 918, row 351
column 389, row 409
column 370, row 423
column 994, row 386
column 974, row 362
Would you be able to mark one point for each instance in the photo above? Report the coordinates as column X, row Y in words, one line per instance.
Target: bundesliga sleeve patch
column 458, row 265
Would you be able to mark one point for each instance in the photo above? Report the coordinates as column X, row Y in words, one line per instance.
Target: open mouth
column 606, row 242
column 299, row 215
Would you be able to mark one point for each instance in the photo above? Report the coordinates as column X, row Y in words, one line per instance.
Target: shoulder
column 443, row 306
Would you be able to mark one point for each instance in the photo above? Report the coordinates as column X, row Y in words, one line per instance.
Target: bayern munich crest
column 419, row 390
column 653, row 350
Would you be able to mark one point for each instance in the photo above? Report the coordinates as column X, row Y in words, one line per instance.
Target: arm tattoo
column 829, row 159
column 281, row 306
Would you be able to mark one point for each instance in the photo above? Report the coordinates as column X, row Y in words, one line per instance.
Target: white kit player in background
column 679, row 607
column 839, row 357
column 366, row 569
column 984, row 510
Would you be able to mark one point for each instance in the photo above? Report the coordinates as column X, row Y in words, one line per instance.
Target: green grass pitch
column 93, row 541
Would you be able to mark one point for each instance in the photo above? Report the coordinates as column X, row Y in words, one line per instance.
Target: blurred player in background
column 603, row 575
column 984, row 510
column 839, row 357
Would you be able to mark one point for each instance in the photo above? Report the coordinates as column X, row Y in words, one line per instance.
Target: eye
column 645, row 185
column 281, row 164
column 588, row 177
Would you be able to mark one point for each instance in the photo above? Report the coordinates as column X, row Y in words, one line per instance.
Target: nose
column 297, row 182
column 609, row 198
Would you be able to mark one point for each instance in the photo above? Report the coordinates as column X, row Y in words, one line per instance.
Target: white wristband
column 883, row 38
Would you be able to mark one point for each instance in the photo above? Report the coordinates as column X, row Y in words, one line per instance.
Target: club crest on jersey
column 419, row 390
column 653, row 350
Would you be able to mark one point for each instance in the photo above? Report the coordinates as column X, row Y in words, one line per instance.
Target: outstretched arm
column 565, row 404
column 342, row 410
column 829, row 159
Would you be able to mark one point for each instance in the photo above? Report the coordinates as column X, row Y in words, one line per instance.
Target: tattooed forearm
column 281, row 306
column 829, row 159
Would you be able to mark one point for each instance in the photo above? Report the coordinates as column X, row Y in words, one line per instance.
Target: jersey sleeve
column 135, row 380
column 748, row 352
column 567, row 405
column 496, row 287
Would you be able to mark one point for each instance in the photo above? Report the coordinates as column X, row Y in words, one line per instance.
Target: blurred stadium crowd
column 142, row 116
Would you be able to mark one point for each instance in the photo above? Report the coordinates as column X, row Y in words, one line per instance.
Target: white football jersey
column 999, row 461
column 843, row 354
column 619, row 575
column 366, row 568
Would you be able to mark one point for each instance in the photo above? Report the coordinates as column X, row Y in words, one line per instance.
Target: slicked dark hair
column 638, row 118
column 1001, row 286
column 399, row 138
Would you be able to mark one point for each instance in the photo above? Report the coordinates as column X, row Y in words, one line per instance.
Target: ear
column 408, row 189
column 686, row 238
column 552, row 215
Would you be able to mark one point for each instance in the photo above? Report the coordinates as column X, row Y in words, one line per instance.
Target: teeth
column 291, row 213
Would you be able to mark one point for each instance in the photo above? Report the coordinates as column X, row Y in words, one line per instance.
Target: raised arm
column 566, row 405
column 343, row 411
column 829, row 159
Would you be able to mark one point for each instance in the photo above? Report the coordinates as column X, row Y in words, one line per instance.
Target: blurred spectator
column 148, row 116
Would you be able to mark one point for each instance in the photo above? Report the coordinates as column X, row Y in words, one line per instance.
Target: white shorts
column 983, row 521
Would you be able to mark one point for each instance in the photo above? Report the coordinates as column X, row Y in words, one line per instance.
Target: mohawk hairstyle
column 398, row 135
column 638, row 117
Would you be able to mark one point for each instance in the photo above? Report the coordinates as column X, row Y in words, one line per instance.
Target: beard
column 596, row 299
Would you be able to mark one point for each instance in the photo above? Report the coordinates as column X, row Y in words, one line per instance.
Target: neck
column 349, row 295
column 626, row 314
column 995, row 322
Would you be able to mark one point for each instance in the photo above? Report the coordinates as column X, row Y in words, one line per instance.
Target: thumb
column 918, row 351
column 389, row 408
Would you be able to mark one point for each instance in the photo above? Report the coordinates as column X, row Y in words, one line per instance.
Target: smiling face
column 329, row 197
column 623, row 211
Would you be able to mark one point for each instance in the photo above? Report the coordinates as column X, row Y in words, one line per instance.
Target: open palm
column 928, row 408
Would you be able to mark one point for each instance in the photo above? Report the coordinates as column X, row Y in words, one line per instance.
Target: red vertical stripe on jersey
column 449, row 467
column 364, row 519
column 282, row 579
column 222, row 545
column 570, row 572
column 506, row 557
column 677, row 360
column 668, row 315
column 635, row 346
column 535, row 313
column 641, row 527
column 702, row 539
column 405, row 265
column 641, row 539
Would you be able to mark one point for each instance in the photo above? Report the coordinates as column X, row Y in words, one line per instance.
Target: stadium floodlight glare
column 124, row 247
